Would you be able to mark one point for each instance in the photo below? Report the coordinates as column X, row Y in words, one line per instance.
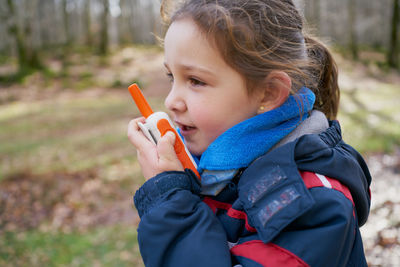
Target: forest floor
column 68, row 172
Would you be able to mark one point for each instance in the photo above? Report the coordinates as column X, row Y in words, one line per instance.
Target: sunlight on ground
column 369, row 111
column 69, row 171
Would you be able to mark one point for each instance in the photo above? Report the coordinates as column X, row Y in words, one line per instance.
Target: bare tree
column 98, row 23
column 312, row 12
column 16, row 32
column 66, row 19
column 125, row 30
column 103, row 46
column 353, row 44
column 88, row 23
column 393, row 54
column 26, row 52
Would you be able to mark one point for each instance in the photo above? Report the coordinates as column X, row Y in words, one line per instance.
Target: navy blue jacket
column 300, row 204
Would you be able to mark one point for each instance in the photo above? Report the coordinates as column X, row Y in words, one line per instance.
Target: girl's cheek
column 202, row 118
column 206, row 119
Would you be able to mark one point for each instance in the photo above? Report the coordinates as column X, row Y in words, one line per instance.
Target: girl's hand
column 153, row 159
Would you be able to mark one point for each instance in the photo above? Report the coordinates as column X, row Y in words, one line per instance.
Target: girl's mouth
column 186, row 129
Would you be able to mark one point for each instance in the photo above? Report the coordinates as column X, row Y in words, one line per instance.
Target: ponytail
column 325, row 73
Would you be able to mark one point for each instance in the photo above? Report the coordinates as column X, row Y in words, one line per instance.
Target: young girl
column 254, row 100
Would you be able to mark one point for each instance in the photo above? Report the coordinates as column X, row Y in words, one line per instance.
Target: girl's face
column 207, row 96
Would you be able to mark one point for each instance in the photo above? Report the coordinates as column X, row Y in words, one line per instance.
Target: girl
column 255, row 101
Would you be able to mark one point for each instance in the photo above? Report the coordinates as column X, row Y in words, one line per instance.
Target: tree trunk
column 124, row 34
column 66, row 23
column 103, row 48
column 32, row 38
column 43, row 31
column 67, row 41
column 88, row 23
column 353, row 44
column 15, row 31
column 134, row 6
column 393, row 54
column 312, row 13
column 27, row 53
column 317, row 12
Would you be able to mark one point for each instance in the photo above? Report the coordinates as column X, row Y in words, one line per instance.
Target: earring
column 262, row 108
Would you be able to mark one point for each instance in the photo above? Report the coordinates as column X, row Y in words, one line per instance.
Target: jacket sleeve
column 177, row 228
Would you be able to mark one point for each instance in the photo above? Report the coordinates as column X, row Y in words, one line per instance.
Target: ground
column 68, row 172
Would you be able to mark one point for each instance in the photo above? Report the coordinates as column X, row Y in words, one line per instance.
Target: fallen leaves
column 63, row 201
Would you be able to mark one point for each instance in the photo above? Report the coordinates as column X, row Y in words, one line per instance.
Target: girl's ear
column 277, row 87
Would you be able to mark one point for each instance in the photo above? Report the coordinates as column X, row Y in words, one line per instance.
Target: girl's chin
column 195, row 150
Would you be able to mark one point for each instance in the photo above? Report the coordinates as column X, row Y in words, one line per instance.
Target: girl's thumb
column 170, row 137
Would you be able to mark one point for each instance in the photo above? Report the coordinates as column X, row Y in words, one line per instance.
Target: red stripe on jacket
column 269, row 254
column 312, row 180
column 231, row 212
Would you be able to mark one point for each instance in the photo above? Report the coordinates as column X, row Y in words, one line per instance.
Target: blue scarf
column 240, row 145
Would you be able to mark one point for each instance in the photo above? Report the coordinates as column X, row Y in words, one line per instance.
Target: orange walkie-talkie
column 157, row 124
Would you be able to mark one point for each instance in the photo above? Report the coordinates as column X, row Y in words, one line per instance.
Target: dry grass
column 68, row 172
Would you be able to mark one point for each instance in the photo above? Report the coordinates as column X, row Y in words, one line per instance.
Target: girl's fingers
column 135, row 135
column 167, row 159
column 153, row 159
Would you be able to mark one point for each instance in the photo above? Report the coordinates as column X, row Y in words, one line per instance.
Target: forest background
column 67, row 170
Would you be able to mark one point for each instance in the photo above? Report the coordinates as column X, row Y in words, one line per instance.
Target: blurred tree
column 393, row 54
column 317, row 11
column 16, row 32
column 124, row 29
column 67, row 32
column 88, row 23
column 103, row 46
column 26, row 51
column 67, row 35
column 312, row 12
column 29, row 26
column 135, row 21
column 353, row 44
column 43, row 32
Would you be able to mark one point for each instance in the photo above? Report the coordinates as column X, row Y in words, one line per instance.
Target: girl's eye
column 196, row 82
column 170, row 77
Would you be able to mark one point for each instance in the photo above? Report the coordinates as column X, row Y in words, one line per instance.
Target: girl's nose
column 175, row 100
